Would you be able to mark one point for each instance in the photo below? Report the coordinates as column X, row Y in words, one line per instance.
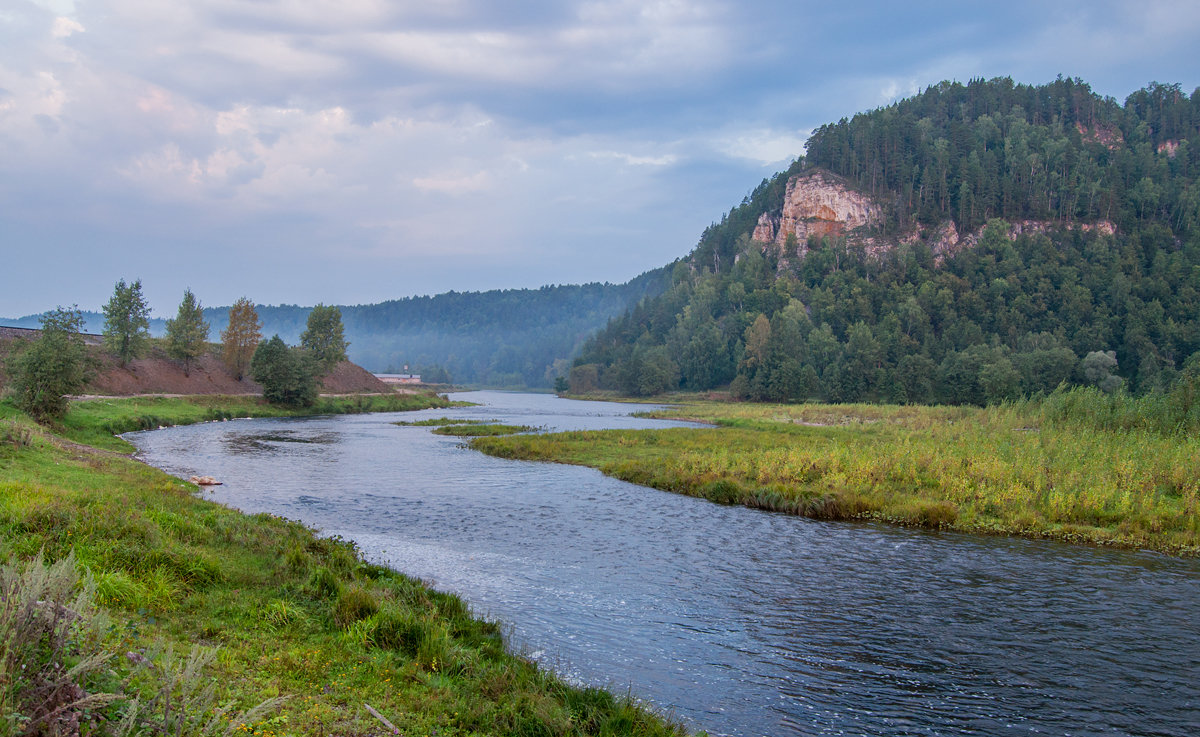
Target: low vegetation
column 479, row 431
column 190, row 618
column 437, row 422
column 1079, row 466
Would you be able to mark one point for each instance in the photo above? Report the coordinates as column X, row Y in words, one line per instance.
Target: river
column 736, row 621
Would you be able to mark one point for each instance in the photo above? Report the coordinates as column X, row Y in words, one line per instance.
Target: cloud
column 64, row 27
column 553, row 140
column 454, row 185
column 764, row 146
column 634, row 160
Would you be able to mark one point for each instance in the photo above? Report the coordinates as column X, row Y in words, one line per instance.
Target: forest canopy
column 1017, row 313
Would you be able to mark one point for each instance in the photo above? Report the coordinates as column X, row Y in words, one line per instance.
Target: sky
column 354, row 151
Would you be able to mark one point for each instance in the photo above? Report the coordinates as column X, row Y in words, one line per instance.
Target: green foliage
column 53, row 366
column 181, row 572
column 181, row 700
column 1098, row 368
column 324, row 338
column 1010, row 316
column 127, row 321
column 288, row 376
column 1080, row 465
column 477, row 431
column 985, row 149
column 187, row 334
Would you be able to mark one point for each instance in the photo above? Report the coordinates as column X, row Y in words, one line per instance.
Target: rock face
column 816, row 203
column 946, row 240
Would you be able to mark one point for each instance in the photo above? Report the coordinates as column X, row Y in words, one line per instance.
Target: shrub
column 47, row 650
column 288, row 376
column 354, row 603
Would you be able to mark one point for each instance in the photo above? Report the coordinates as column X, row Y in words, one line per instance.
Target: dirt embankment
column 158, row 374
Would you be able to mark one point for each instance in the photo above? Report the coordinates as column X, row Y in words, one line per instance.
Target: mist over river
column 736, row 621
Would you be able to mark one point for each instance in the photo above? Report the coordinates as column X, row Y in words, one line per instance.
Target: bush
column 288, row 376
column 52, row 367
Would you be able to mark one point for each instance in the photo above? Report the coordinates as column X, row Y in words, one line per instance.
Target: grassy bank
column 287, row 614
column 95, row 421
column 481, row 431
column 1033, row 469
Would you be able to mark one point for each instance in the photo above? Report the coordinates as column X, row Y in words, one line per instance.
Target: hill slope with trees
column 509, row 337
column 1082, row 223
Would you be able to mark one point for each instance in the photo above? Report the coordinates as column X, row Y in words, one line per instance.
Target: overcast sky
column 352, row 151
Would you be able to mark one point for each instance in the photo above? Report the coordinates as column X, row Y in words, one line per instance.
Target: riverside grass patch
column 485, row 430
column 1018, row 469
column 283, row 617
column 95, row 422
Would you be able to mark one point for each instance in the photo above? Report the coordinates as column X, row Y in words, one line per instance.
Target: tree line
column 509, row 337
column 1011, row 316
column 56, row 364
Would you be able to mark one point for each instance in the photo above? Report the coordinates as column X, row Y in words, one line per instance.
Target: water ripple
column 738, row 621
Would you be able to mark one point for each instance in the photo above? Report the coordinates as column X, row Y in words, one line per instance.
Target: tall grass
column 1032, row 468
column 214, row 612
column 1164, row 413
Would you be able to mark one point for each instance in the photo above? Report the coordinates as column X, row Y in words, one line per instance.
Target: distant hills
column 973, row 243
column 510, row 337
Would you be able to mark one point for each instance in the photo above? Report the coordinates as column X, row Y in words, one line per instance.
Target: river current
column 733, row 620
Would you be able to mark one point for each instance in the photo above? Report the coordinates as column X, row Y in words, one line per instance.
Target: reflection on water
column 740, row 622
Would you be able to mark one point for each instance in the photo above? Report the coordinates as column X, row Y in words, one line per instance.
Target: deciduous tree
column 241, row 337
column 187, row 333
column 127, row 321
column 53, row 366
column 286, row 374
column 324, row 337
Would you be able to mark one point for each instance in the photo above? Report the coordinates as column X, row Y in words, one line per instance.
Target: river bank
column 1009, row 470
column 290, row 614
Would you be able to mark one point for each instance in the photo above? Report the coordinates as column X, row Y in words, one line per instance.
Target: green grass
column 95, row 422
column 1026, row 469
column 479, row 431
column 438, row 422
column 292, row 614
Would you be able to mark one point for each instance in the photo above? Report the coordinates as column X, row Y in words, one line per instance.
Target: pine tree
column 187, row 333
column 241, row 337
column 324, row 337
column 127, row 321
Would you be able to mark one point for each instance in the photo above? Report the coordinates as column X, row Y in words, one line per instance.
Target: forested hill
column 509, row 337
column 1088, row 270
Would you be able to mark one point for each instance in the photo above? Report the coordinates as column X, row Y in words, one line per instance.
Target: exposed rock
column 1110, row 138
column 946, row 240
column 1170, row 148
column 819, row 203
column 204, row 481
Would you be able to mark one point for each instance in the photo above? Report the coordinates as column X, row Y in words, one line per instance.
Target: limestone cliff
column 816, row 203
column 819, row 203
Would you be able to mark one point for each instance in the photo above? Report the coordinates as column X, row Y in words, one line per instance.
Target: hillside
column 506, row 337
column 155, row 373
column 971, row 244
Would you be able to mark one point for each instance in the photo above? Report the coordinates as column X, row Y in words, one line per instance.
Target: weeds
column 48, row 649
column 1079, row 465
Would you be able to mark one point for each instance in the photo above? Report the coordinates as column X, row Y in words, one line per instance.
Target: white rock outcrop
column 819, row 203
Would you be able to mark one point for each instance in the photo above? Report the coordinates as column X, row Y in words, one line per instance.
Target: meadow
column 186, row 615
column 1076, row 466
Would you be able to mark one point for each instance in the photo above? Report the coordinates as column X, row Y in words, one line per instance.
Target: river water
column 733, row 620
